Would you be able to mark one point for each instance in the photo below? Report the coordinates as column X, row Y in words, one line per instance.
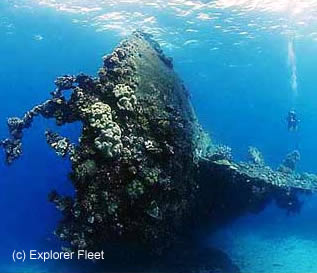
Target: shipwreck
column 144, row 170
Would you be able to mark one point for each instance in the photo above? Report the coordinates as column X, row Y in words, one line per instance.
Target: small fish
column 38, row 37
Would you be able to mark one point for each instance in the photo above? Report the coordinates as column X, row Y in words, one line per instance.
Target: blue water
column 240, row 88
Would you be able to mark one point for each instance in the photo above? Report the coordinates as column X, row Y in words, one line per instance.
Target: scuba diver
column 292, row 121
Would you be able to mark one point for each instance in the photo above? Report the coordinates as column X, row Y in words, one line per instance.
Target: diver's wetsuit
column 292, row 121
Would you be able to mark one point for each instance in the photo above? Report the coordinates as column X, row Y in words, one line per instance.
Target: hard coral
column 126, row 100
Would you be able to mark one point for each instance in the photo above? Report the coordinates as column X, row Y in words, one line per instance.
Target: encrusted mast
column 144, row 169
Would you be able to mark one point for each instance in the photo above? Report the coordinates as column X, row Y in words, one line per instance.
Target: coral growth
column 108, row 132
column 221, row 152
column 290, row 162
column 125, row 96
column 61, row 145
column 255, row 156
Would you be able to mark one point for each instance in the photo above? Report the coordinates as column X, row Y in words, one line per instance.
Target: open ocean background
column 236, row 58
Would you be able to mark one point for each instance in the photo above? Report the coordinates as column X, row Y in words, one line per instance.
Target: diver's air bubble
column 292, row 64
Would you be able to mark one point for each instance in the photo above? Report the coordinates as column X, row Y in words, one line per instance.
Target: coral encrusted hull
column 143, row 170
column 134, row 167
